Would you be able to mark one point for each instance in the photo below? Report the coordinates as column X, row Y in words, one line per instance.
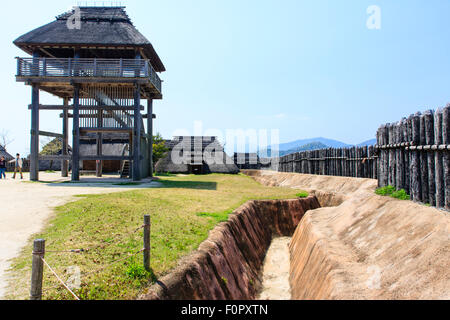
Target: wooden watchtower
column 102, row 67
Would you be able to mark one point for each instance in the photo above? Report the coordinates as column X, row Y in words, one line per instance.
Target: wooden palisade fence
column 358, row 162
column 412, row 154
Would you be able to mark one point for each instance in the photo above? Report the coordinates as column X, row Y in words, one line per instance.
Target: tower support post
column 34, row 145
column 137, row 134
column 65, row 141
column 76, row 134
column 150, row 134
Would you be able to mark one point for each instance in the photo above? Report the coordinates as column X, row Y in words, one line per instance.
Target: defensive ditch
column 229, row 264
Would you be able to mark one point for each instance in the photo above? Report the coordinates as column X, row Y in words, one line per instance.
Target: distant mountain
column 330, row 143
column 306, row 147
column 368, row 143
column 311, row 144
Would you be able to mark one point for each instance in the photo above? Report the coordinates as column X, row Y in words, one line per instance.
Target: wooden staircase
column 125, row 171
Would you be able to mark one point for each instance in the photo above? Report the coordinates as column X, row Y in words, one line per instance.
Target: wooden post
column 446, row 160
column 99, row 163
column 35, row 64
column 150, row 133
column 37, row 269
column 76, row 134
column 406, row 167
column 423, row 162
column 75, row 65
column 34, row 146
column 65, row 142
column 401, row 156
column 147, row 248
column 439, row 164
column 429, row 140
column 416, row 179
column 137, row 68
column 391, row 151
column 385, row 156
column 137, row 134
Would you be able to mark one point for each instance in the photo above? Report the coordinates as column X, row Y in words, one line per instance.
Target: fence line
column 359, row 162
column 414, row 155
column 59, row 279
column 39, row 251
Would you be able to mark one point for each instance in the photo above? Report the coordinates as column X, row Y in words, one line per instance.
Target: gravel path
column 26, row 206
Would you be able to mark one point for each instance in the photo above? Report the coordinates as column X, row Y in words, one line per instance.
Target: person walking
column 2, row 168
column 17, row 166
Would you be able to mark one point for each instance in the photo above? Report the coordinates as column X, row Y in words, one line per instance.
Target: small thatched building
column 198, row 155
column 4, row 153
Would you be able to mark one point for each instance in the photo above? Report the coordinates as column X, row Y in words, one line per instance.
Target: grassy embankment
column 183, row 210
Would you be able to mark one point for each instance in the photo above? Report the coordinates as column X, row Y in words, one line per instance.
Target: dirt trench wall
column 227, row 265
column 367, row 246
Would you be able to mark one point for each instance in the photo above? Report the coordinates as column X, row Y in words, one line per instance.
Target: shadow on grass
column 105, row 183
column 199, row 185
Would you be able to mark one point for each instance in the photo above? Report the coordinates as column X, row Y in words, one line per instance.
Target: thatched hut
column 52, row 148
column 198, row 155
column 4, row 153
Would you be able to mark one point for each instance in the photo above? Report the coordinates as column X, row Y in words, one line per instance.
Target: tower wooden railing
column 95, row 68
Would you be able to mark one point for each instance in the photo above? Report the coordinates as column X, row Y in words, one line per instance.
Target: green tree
column 159, row 148
column 53, row 147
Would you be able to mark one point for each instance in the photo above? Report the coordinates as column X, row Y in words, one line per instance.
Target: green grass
column 302, row 194
column 390, row 191
column 183, row 211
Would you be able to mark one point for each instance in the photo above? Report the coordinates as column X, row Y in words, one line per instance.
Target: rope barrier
column 95, row 271
column 86, row 250
column 59, row 279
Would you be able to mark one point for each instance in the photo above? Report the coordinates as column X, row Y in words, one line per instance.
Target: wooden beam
column 86, row 130
column 103, row 158
column 51, row 134
column 55, row 158
column 40, row 79
column 145, row 116
column 46, row 52
column 88, row 107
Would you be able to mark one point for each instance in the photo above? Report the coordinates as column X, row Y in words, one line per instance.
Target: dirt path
column 26, row 206
column 276, row 271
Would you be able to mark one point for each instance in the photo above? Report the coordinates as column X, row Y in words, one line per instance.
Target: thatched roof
column 212, row 155
column 190, row 142
column 101, row 27
column 54, row 147
column 4, row 153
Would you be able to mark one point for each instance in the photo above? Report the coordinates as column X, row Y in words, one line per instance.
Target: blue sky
column 308, row 68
